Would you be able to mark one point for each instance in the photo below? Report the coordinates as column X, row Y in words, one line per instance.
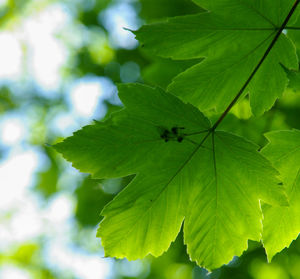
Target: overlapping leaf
column 212, row 180
column 233, row 36
column 282, row 224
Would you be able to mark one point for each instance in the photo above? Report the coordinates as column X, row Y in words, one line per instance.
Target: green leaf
column 90, row 201
column 294, row 78
column 161, row 72
column 212, row 180
column 282, row 224
column 167, row 8
column 233, row 37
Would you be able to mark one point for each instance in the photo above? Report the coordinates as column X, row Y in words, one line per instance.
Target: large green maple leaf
column 282, row 224
column 233, row 36
column 211, row 179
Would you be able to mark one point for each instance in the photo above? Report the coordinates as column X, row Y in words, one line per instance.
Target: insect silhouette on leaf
column 173, row 134
column 166, row 135
column 180, row 139
column 175, row 130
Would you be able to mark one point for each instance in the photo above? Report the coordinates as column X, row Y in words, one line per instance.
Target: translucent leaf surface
column 282, row 224
column 184, row 171
column 233, row 36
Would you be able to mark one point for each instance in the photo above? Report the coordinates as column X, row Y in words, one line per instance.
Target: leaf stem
column 283, row 26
